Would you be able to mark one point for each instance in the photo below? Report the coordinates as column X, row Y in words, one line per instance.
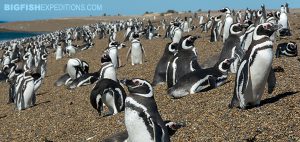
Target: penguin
column 136, row 51
column 227, row 23
column 185, row 25
column 254, row 69
column 110, row 93
column 215, row 28
column 176, row 33
column 112, row 51
column 172, row 127
column 201, row 80
column 185, row 60
column 247, row 37
column 107, row 68
column 283, row 20
column 142, row 119
column 70, row 50
column 25, row 95
column 76, row 67
column 161, row 67
column 232, row 45
column 288, row 49
column 58, row 52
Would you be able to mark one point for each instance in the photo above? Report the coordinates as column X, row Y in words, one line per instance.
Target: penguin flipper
column 271, row 81
column 159, row 134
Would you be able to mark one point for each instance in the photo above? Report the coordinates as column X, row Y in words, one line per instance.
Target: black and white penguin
column 215, row 28
column 70, row 50
column 201, row 80
column 176, row 33
column 247, row 37
column 288, row 49
column 58, row 52
column 254, row 68
column 136, row 51
column 161, row 67
column 232, row 45
column 76, row 67
column 107, row 68
column 283, row 20
column 112, row 51
column 142, row 119
column 185, row 61
column 65, row 79
column 24, row 91
column 110, row 93
column 227, row 23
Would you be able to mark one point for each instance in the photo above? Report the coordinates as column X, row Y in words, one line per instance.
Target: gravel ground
column 67, row 115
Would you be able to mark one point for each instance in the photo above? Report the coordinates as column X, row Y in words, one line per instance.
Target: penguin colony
column 247, row 52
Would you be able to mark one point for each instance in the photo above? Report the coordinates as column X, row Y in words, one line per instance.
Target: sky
column 26, row 10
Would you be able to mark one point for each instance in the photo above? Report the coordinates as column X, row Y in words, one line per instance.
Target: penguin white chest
column 136, row 53
column 110, row 73
column 58, row 53
column 135, row 125
column 113, row 54
column 283, row 20
column 260, row 69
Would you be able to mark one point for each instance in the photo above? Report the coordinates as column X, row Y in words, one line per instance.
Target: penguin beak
column 193, row 38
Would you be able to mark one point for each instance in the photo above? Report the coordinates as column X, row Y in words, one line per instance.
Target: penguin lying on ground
column 288, row 49
column 201, row 80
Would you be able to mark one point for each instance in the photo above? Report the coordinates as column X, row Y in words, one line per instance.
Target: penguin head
column 259, row 13
column 172, row 47
column 113, row 44
column 85, row 67
column 105, row 58
column 265, row 29
column 277, row 14
column 225, row 10
column 247, row 23
column 218, row 18
column 187, row 42
column 138, row 87
column 236, row 29
column 224, row 66
column 135, row 35
column 292, row 46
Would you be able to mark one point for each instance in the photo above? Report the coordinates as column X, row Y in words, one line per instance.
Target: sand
column 67, row 115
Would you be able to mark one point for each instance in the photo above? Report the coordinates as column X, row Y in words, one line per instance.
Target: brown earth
column 67, row 115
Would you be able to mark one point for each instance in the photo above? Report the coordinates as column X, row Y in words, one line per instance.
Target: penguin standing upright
column 136, row 51
column 254, row 68
column 25, row 94
column 142, row 119
column 215, row 29
column 185, row 61
column 58, row 52
column 161, row 67
column 110, row 93
column 227, row 23
column 185, row 25
column 232, row 45
column 247, row 38
column 201, row 80
column 112, row 51
column 283, row 20
column 176, row 33
column 107, row 68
